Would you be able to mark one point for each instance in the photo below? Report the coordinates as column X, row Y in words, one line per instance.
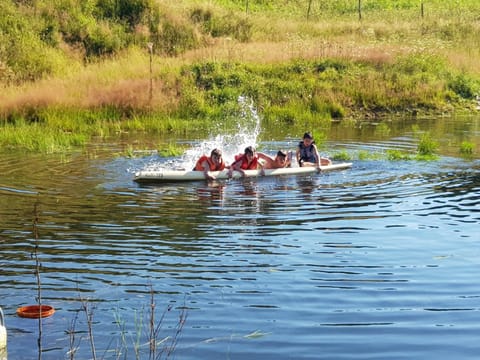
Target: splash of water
column 246, row 134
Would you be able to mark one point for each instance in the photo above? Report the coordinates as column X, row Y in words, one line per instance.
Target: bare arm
column 269, row 162
column 264, row 156
column 234, row 166
column 317, row 156
column 206, row 169
column 261, row 166
column 288, row 160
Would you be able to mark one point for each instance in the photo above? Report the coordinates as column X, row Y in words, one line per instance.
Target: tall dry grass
column 124, row 80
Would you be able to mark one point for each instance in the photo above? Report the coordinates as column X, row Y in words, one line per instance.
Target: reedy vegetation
column 75, row 69
column 148, row 339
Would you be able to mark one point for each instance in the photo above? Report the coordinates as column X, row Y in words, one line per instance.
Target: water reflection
column 247, row 189
column 306, row 184
column 212, row 194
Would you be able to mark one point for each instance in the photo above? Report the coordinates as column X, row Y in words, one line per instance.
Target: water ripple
column 386, row 250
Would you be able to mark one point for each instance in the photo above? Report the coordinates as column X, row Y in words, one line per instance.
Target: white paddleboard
column 186, row 175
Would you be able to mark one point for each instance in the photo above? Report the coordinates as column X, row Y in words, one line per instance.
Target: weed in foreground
column 427, row 146
column 397, row 155
column 158, row 347
column 342, row 156
column 466, row 148
column 37, row 275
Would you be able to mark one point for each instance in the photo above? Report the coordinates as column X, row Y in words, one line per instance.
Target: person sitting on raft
column 281, row 160
column 214, row 162
column 246, row 161
column 307, row 153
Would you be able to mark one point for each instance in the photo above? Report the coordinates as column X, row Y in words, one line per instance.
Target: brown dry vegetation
column 124, row 80
column 123, row 83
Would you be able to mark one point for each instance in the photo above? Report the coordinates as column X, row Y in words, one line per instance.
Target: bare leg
column 325, row 161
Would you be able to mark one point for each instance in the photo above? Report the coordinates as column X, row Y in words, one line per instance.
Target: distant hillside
column 44, row 37
column 90, row 68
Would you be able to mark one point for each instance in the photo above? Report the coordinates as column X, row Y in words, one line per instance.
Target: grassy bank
column 342, row 62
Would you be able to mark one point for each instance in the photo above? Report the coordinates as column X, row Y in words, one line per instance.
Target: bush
column 230, row 24
column 103, row 39
column 278, row 114
column 192, row 104
column 26, row 57
column 204, row 75
column 329, row 64
column 463, row 86
column 175, row 36
column 130, row 12
column 203, row 17
column 33, row 34
column 326, row 107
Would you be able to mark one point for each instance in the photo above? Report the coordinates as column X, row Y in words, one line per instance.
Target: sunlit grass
column 299, row 73
column 368, row 155
column 427, row 146
column 170, row 149
column 342, row 155
column 63, row 130
column 467, row 148
column 39, row 138
column 395, row 155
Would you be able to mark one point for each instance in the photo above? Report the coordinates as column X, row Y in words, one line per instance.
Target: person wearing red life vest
column 246, row 161
column 214, row 162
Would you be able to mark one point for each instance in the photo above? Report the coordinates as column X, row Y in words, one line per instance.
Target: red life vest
column 245, row 165
column 211, row 164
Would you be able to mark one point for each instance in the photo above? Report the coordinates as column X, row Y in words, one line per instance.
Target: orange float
column 35, row 311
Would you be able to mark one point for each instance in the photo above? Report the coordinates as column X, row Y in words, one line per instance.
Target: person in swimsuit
column 307, row 153
column 281, row 160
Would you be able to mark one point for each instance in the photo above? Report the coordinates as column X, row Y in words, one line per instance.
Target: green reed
column 298, row 73
column 427, row 147
column 396, row 155
column 39, row 138
column 467, row 148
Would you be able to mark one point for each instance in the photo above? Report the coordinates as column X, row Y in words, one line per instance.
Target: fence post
column 150, row 93
column 309, row 8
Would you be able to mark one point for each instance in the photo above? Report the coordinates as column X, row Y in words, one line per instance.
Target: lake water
column 380, row 261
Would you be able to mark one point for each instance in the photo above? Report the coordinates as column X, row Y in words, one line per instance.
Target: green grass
column 306, row 94
column 170, row 149
column 88, row 72
column 342, row 156
column 467, row 149
column 427, row 146
column 395, row 155
column 39, row 138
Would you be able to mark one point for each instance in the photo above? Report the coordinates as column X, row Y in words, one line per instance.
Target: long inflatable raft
column 184, row 175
